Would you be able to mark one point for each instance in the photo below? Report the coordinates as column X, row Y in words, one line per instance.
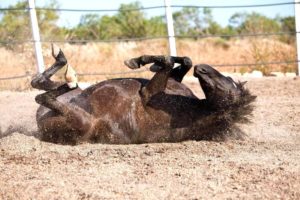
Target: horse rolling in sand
column 134, row 110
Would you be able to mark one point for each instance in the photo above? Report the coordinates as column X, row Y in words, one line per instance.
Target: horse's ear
column 243, row 83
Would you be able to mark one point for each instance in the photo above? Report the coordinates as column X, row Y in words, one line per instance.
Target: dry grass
column 109, row 57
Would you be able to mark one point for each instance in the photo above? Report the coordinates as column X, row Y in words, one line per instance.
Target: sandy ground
column 266, row 165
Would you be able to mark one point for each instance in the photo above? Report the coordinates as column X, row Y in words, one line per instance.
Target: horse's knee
column 44, row 98
column 35, row 82
column 39, row 81
column 40, row 99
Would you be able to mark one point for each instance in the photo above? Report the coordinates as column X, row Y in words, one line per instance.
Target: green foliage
column 254, row 23
column 15, row 25
column 47, row 20
column 187, row 21
column 156, row 26
column 194, row 21
column 288, row 25
column 258, row 23
column 92, row 27
column 130, row 22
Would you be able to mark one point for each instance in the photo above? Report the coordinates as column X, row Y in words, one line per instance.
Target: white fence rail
column 36, row 37
column 297, row 20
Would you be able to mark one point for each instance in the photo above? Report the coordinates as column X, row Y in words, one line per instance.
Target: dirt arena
column 265, row 165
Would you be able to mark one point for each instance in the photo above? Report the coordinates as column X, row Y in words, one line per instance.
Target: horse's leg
column 179, row 72
column 176, row 73
column 42, row 81
column 163, row 66
column 54, row 89
column 76, row 117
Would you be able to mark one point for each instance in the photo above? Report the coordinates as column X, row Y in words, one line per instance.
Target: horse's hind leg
column 42, row 81
column 163, row 66
column 77, row 118
column 77, row 121
column 55, row 89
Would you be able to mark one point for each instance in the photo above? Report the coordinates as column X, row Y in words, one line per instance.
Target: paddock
column 265, row 164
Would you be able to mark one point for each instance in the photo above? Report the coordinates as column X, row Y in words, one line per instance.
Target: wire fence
column 152, row 7
column 244, row 35
column 145, row 70
column 156, row 37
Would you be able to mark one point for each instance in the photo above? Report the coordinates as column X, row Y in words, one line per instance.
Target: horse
column 136, row 110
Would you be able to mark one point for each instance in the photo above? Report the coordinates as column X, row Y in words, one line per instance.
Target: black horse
column 133, row 110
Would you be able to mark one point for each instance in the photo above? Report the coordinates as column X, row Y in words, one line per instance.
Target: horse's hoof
column 132, row 63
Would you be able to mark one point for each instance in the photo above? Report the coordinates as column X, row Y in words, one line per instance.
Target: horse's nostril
column 202, row 70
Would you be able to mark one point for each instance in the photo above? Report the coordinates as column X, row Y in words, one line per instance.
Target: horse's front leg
column 163, row 66
column 176, row 73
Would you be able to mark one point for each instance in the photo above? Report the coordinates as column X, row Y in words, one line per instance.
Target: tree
column 194, row 21
column 15, row 25
column 47, row 20
column 254, row 23
column 288, row 26
column 187, row 21
column 133, row 22
column 156, row 26
column 129, row 22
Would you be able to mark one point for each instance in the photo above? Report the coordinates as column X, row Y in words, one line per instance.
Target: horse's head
column 230, row 101
column 221, row 91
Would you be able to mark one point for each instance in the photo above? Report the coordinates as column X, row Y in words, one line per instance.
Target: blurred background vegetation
column 14, row 25
column 95, row 60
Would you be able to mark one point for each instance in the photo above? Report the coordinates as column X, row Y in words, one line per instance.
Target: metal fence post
column 171, row 35
column 297, row 20
column 36, row 37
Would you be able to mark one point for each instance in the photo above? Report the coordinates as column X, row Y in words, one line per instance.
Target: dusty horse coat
column 138, row 110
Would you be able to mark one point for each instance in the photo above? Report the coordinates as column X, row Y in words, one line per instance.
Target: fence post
column 297, row 21
column 171, row 35
column 36, row 36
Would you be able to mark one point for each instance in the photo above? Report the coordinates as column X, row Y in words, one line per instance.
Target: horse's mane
column 237, row 113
